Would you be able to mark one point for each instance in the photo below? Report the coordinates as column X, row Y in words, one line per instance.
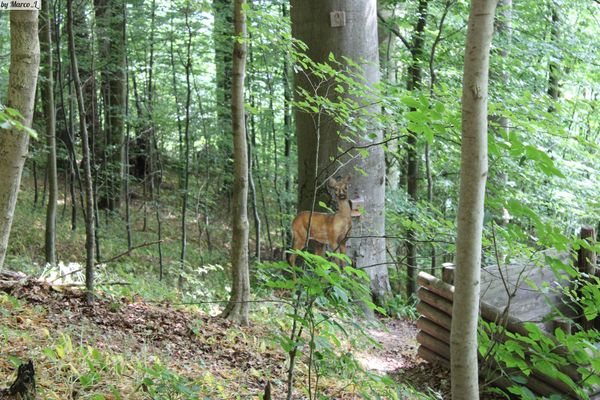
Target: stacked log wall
column 435, row 309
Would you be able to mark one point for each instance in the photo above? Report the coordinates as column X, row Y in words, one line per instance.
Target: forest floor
column 123, row 348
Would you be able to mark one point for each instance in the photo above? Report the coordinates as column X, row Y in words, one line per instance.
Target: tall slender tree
column 110, row 20
column 50, row 116
column 186, row 142
column 237, row 308
column 223, row 32
column 553, row 65
column 473, row 175
column 90, row 233
column 22, row 80
column 414, row 82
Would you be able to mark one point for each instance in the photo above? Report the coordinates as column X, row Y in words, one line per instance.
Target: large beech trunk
column 22, row 80
column 317, row 144
column 473, row 175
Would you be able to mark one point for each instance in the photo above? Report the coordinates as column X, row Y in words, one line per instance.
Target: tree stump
column 23, row 388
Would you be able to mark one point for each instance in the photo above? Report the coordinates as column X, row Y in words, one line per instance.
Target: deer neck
column 344, row 208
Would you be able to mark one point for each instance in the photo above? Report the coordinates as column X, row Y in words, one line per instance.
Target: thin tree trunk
column 50, row 113
column 237, row 308
column 387, row 47
column 71, row 170
column 110, row 18
column 255, row 214
column 186, row 155
column 127, row 147
column 288, row 131
column 22, row 80
column 36, row 191
column 415, row 72
column 89, row 190
column 553, row 66
column 474, row 170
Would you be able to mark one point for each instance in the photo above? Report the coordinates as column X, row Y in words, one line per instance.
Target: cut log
column 435, row 315
column 586, row 260
column 433, row 357
column 448, row 273
column 433, row 344
column 434, row 300
column 586, row 264
column 558, row 385
column 433, row 329
column 436, row 285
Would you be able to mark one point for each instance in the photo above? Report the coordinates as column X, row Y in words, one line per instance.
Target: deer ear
column 331, row 182
column 348, row 178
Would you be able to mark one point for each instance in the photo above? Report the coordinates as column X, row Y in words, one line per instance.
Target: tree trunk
column 504, row 30
column 50, row 114
column 237, row 308
column 415, row 73
column 87, row 168
column 387, row 47
column 318, row 143
column 473, row 176
column 110, row 17
column 222, row 34
column 22, row 80
column 553, row 66
column 186, row 146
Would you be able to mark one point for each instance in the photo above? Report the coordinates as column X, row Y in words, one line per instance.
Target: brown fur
column 325, row 228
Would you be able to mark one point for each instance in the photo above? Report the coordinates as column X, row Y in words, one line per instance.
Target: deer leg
column 343, row 251
column 319, row 249
column 297, row 245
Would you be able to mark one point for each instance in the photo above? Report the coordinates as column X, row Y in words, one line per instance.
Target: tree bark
column 222, row 34
column 415, row 73
column 110, row 17
column 186, row 145
column 317, row 143
column 237, row 308
column 553, row 66
column 22, row 80
column 474, row 170
column 87, row 168
column 50, row 114
column 387, row 46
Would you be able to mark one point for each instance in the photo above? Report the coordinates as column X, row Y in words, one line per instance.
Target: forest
column 300, row 199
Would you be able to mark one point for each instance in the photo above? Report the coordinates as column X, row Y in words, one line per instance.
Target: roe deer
column 325, row 228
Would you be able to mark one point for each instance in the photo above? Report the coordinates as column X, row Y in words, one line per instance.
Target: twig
column 395, row 31
column 127, row 252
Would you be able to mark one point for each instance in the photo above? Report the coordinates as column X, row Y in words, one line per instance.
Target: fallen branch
column 127, row 252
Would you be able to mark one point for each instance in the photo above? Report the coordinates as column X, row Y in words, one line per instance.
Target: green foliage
column 327, row 299
column 11, row 119
column 517, row 356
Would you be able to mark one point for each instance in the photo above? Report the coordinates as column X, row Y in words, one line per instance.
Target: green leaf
column 410, row 101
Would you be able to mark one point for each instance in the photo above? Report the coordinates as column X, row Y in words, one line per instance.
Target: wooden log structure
column 586, row 264
column 502, row 289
